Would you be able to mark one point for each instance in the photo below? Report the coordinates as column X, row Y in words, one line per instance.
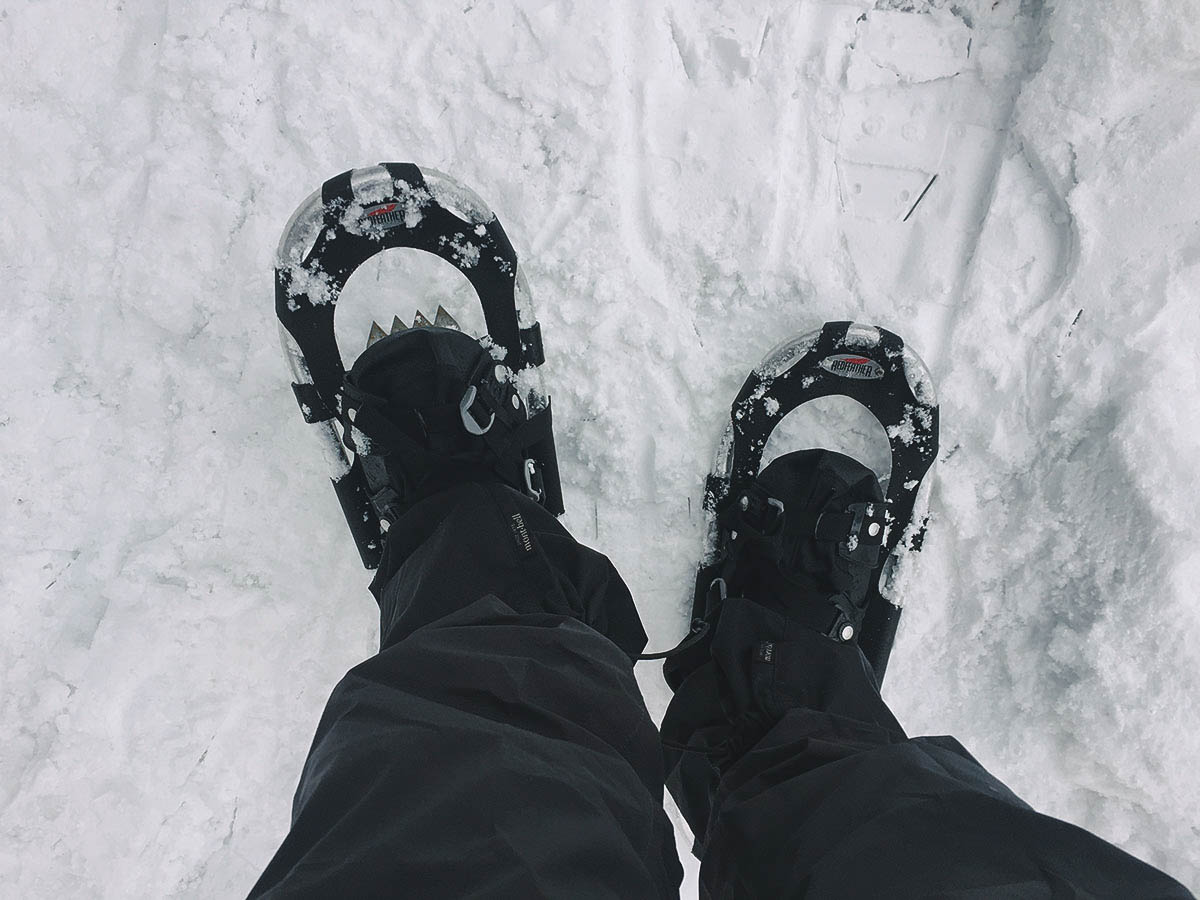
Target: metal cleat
column 398, row 325
column 419, row 321
column 443, row 319
column 376, row 334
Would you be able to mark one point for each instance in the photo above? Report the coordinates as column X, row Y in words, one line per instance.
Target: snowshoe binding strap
column 752, row 520
column 753, row 512
column 353, row 217
column 858, row 531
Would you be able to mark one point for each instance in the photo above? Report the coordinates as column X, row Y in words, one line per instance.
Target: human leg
column 803, row 783
column 498, row 744
column 797, row 779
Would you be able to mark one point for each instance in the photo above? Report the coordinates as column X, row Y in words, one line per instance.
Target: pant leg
column 802, row 783
column 498, row 744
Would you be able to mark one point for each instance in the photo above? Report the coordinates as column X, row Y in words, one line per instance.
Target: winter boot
column 803, row 539
column 430, row 408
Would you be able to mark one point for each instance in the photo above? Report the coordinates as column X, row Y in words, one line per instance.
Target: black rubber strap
column 531, row 345
column 312, row 407
column 832, row 526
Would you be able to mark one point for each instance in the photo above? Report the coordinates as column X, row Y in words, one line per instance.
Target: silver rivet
column 745, row 503
column 733, row 535
column 500, row 370
column 873, row 529
column 516, row 402
column 847, row 632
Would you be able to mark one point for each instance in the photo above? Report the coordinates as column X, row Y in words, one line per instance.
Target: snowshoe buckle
column 491, row 393
column 469, row 421
column 535, row 486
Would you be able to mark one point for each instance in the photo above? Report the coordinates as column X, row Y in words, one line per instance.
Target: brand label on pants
column 520, row 533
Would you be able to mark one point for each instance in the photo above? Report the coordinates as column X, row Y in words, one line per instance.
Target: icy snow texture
column 687, row 184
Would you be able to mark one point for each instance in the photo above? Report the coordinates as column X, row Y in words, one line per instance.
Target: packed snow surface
column 1011, row 186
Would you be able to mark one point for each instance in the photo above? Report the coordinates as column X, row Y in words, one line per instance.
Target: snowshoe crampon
column 353, row 217
column 872, row 366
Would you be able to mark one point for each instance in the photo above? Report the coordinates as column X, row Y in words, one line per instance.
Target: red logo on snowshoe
column 850, row 366
column 384, row 215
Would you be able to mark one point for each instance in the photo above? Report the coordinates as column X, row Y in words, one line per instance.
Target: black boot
column 801, row 540
column 430, row 408
column 804, row 538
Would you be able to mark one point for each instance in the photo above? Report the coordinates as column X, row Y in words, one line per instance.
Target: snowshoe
column 813, row 533
column 424, row 403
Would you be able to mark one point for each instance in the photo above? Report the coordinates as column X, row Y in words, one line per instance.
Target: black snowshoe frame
column 353, row 217
column 865, row 363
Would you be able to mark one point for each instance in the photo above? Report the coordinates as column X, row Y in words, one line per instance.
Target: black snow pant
column 498, row 746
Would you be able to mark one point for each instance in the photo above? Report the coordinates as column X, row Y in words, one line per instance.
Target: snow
column 465, row 253
column 180, row 592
